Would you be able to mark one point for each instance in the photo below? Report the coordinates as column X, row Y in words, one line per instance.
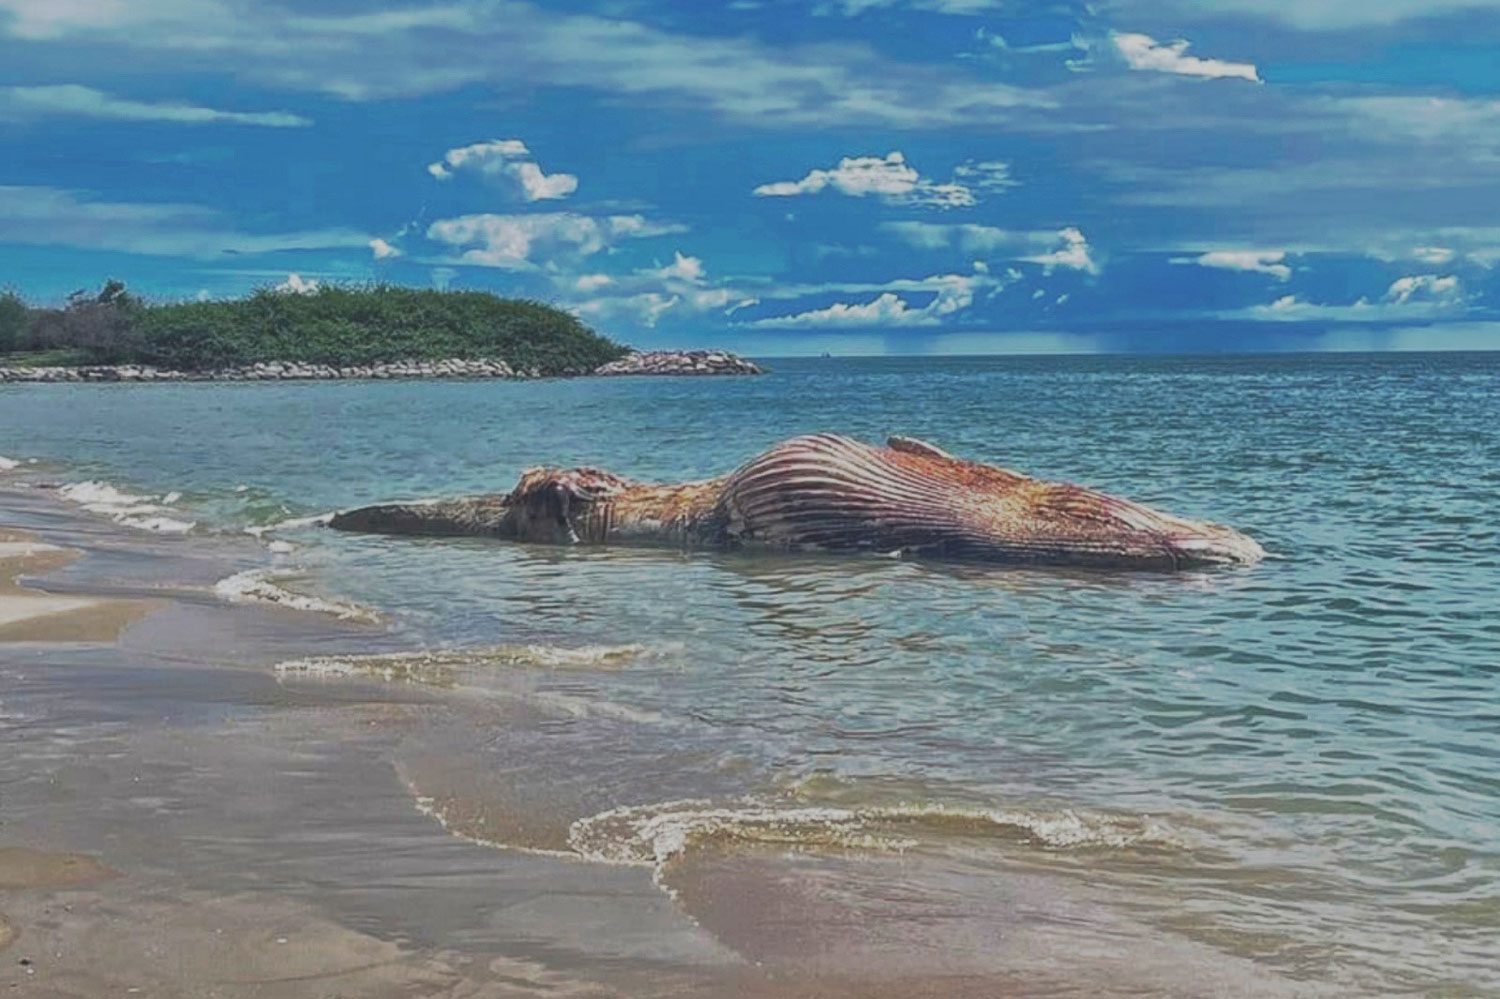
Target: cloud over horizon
column 682, row 170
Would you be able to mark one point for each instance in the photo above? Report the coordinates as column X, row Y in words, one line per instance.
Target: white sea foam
column 7, row 464
column 563, row 657
column 148, row 513
column 25, row 549
column 429, row 807
column 654, row 835
column 437, row 666
column 593, row 707
column 259, row 586
column 290, row 524
column 406, row 667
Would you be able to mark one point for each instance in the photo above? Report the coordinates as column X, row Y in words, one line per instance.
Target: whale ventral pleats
column 829, row 493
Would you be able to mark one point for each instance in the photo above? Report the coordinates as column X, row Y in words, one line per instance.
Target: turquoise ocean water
column 1295, row 765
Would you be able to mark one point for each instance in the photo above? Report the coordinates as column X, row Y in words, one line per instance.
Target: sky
column 782, row 176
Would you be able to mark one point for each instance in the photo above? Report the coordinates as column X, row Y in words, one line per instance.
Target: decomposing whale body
column 831, row 494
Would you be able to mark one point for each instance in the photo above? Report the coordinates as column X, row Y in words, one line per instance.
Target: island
column 331, row 332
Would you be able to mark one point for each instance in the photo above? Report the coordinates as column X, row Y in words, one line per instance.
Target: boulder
column 681, row 362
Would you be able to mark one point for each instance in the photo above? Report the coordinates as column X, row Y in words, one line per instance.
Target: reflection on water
column 1318, row 731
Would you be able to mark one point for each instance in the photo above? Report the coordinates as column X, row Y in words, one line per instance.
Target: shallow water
column 1293, row 765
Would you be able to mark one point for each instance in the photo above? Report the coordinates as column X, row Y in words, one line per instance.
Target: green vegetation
column 62, row 358
column 15, row 319
column 334, row 325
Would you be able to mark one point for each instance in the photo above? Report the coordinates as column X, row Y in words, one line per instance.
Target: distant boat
column 826, row 354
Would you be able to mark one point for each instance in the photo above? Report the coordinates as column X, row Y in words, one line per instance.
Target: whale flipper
column 912, row 445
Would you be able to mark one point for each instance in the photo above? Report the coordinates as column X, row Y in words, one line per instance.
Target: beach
column 178, row 822
column 244, row 755
column 183, row 819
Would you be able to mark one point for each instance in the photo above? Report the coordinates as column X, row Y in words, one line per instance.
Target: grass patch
column 59, row 358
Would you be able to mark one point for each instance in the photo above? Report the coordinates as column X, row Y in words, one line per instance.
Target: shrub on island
column 333, row 325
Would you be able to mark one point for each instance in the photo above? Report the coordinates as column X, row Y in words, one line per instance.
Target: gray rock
column 681, row 362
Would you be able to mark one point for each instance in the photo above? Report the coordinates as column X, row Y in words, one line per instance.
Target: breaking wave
column 148, row 513
column 654, row 835
column 289, row 524
column 438, row 665
column 260, row 586
column 430, row 808
column 442, row 668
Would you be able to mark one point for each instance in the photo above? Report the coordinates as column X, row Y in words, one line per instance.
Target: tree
column 102, row 324
column 15, row 319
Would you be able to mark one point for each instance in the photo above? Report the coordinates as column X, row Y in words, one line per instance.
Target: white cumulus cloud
column 1145, row 52
column 1428, row 288
column 645, row 295
column 505, row 159
column 1424, row 296
column 383, row 250
column 887, row 309
column 1436, row 255
column 969, row 237
column 985, row 175
column 952, row 293
column 295, row 285
column 1073, row 254
column 645, row 308
column 593, row 282
column 683, row 268
column 1258, row 261
column 510, row 240
column 892, row 179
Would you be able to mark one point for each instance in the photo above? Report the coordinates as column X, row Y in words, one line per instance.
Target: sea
column 1288, row 772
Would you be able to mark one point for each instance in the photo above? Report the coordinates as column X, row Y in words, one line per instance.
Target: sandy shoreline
column 180, row 822
column 31, row 615
column 168, row 803
column 181, row 819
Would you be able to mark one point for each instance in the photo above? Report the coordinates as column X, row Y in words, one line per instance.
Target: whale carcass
column 828, row 493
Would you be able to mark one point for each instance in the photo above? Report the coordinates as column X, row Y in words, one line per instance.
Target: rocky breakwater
column 665, row 362
column 681, row 362
column 270, row 372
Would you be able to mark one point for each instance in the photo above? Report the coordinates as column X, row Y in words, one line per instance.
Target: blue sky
column 783, row 176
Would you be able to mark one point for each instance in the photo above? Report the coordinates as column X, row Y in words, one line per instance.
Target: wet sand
column 181, row 819
column 27, row 615
column 178, row 823
column 25, row 868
